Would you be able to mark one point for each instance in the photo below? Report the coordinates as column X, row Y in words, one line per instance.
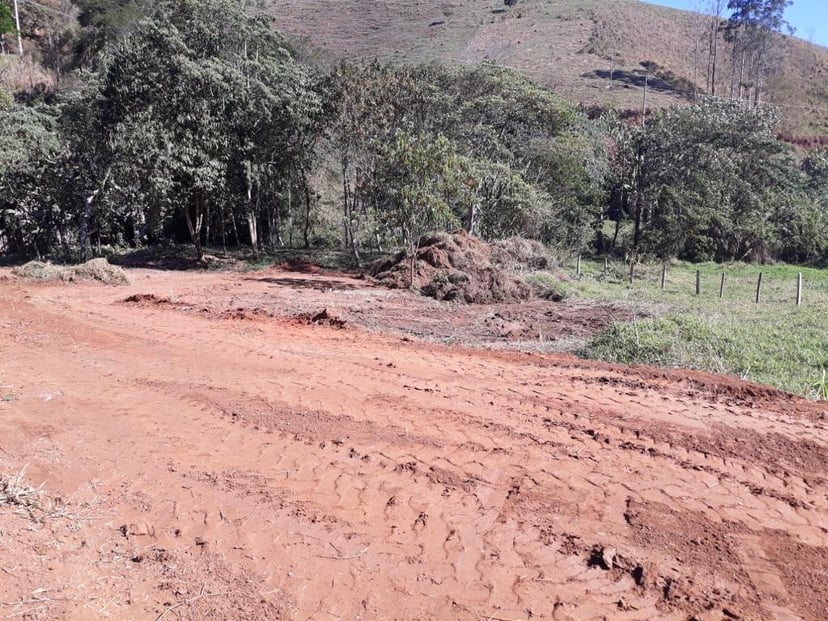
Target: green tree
column 196, row 116
column 815, row 167
column 7, row 25
column 6, row 20
column 418, row 180
column 751, row 29
column 706, row 182
column 31, row 219
column 103, row 23
column 526, row 162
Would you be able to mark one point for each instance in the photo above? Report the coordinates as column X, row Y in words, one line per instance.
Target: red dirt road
column 216, row 459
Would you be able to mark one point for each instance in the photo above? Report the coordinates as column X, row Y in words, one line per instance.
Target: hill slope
column 564, row 44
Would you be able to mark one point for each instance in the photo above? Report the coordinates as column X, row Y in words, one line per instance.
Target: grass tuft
column 14, row 492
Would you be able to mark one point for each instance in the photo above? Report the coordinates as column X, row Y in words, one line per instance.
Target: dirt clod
column 145, row 299
column 324, row 317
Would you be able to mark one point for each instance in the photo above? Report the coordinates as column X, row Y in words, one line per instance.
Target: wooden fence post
column 721, row 287
column 799, row 289
column 632, row 271
column 759, row 288
column 578, row 266
column 663, row 275
column 698, row 282
column 606, row 265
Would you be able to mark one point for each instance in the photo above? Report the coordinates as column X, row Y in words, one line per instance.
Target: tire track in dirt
column 452, row 483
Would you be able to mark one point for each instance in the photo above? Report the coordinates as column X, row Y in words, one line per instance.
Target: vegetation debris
column 96, row 269
column 459, row 267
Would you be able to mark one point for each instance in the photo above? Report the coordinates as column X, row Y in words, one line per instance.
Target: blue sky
column 809, row 17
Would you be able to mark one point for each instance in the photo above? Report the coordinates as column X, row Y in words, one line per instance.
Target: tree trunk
column 306, row 228
column 83, row 233
column 235, row 228
column 346, row 208
column 252, row 224
column 17, row 24
column 412, row 266
column 638, row 203
column 207, row 225
column 290, row 216
column 714, row 52
column 742, row 76
column 223, row 232
column 271, row 228
column 86, row 217
column 194, row 222
column 637, row 230
column 760, row 74
column 472, row 221
column 350, row 236
column 413, row 247
column 615, row 233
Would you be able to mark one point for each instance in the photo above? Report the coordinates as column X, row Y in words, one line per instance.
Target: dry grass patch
column 96, row 269
column 15, row 492
column 33, row 502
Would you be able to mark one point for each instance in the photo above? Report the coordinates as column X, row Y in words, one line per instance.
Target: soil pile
column 322, row 318
column 96, row 269
column 457, row 266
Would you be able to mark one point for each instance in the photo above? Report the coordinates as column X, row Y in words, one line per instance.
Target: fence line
column 767, row 288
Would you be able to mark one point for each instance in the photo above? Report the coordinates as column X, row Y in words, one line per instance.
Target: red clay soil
column 213, row 452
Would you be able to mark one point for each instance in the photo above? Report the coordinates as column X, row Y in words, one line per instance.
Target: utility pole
column 612, row 59
column 19, row 36
column 644, row 104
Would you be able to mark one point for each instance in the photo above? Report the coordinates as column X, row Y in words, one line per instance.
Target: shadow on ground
column 307, row 283
column 175, row 258
column 636, row 79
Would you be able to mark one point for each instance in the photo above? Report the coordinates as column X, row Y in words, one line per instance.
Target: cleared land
column 216, row 448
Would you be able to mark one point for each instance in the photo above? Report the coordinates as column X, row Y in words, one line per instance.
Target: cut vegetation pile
column 96, row 269
column 457, row 266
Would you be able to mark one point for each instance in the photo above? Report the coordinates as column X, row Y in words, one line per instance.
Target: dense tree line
column 193, row 119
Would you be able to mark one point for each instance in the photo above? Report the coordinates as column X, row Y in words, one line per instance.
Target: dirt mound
column 148, row 299
column 96, row 269
column 457, row 266
column 322, row 318
column 145, row 299
column 243, row 314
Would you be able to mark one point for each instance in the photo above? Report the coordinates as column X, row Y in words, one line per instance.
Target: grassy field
column 773, row 342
